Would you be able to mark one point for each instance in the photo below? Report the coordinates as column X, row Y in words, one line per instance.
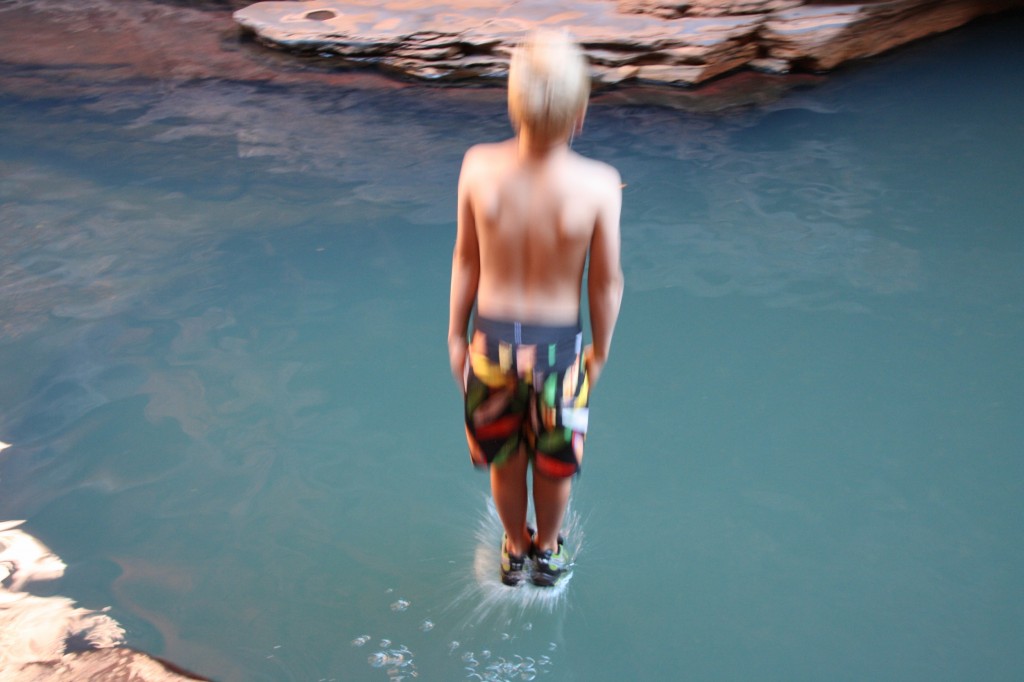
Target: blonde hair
column 548, row 85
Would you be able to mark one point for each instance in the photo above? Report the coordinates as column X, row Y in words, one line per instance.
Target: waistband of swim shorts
column 528, row 333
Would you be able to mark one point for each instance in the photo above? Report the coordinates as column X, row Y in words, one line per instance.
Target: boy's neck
column 534, row 148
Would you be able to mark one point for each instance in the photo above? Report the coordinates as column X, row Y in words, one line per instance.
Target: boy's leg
column 508, row 486
column 550, row 500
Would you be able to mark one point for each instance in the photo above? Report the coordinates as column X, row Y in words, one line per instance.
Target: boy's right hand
column 457, row 349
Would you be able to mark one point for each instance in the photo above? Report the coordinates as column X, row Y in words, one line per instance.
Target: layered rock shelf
column 674, row 42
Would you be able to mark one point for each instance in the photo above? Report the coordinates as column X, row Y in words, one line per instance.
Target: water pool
column 225, row 388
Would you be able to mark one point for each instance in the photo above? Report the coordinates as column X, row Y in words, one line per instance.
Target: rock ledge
column 680, row 43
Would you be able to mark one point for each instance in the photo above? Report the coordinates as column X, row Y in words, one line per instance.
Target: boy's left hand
column 593, row 364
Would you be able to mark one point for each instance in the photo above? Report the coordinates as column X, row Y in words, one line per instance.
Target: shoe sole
column 546, row 582
column 511, row 581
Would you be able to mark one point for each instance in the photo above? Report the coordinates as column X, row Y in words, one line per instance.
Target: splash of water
column 498, row 634
column 493, row 599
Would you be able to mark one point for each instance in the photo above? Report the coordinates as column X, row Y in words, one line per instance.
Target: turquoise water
column 225, row 385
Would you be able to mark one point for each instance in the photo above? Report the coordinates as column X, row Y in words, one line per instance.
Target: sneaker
column 513, row 566
column 549, row 567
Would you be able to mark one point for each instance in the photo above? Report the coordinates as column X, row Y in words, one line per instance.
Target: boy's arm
column 604, row 276
column 465, row 275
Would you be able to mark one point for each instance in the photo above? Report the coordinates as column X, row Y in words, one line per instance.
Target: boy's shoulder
column 598, row 173
column 487, row 150
column 482, row 160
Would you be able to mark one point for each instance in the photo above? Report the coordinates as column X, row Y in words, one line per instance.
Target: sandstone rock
column 769, row 65
column 822, row 37
column 688, row 42
column 708, row 8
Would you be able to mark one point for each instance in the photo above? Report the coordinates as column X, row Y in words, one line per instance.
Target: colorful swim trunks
column 526, row 384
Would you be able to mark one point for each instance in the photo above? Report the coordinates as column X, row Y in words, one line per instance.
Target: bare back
column 534, row 219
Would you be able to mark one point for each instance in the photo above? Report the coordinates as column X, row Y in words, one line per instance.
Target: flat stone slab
column 645, row 40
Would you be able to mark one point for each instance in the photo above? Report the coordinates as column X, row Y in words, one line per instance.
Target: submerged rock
column 110, row 665
column 50, row 637
column 660, row 41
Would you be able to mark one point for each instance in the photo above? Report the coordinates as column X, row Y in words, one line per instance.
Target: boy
column 530, row 210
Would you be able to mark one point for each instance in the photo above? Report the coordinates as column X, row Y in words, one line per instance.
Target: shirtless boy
column 530, row 210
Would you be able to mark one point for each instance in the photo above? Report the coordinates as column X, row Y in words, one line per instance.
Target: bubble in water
column 505, row 670
column 452, row 647
column 552, row 646
column 400, row 605
column 505, row 637
column 485, row 654
column 527, row 626
column 384, row 643
column 361, row 640
column 427, row 626
column 399, row 662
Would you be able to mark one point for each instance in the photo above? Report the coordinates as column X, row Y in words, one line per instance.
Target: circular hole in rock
column 321, row 15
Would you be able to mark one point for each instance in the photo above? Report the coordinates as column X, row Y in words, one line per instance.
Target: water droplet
column 427, row 626
column 400, row 605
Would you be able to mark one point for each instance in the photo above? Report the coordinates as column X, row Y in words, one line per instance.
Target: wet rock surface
column 658, row 41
